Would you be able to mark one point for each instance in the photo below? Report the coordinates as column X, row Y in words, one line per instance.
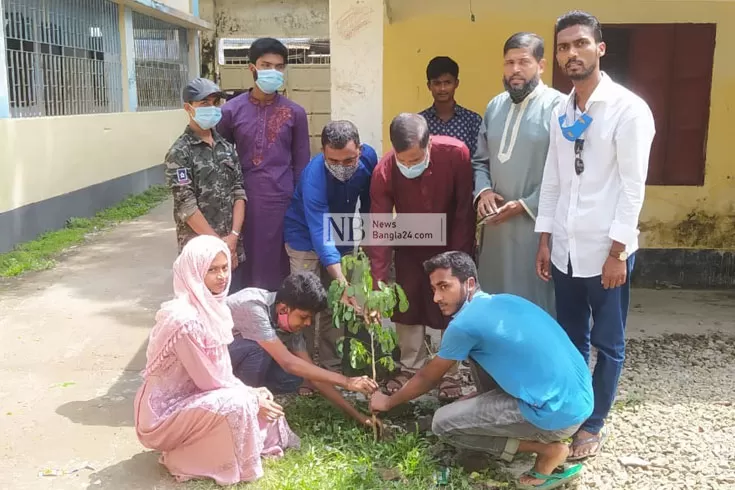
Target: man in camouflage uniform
column 204, row 174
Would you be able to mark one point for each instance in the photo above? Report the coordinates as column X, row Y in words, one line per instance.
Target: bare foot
column 547, row 459
column 585, row 444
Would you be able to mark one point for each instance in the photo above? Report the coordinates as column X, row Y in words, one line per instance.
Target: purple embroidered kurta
column 272, row 139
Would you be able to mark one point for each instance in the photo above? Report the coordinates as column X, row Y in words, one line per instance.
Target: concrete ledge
column 685, row 268
column 162, row 11
column 27, row 222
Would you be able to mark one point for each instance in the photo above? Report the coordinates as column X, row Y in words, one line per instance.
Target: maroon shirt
column 444, row 187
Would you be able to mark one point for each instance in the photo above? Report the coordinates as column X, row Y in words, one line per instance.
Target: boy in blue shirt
column 533, row 387
column 332, row 183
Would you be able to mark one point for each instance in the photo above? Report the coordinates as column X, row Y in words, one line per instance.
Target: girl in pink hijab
column 205, row 421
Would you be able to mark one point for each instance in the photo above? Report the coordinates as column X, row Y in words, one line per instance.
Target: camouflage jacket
column 205, row 178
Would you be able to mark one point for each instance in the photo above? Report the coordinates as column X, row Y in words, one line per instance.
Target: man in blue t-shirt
column 533, row 386
column 332, row 183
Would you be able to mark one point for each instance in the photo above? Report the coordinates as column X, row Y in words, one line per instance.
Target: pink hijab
column 194, row 309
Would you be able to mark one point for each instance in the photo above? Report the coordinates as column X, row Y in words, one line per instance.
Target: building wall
column 673, row 216
column 58, row 167
column 45, row 157
column 357, row 65
column 256, row 18
column 182, row 5
column 55, row 168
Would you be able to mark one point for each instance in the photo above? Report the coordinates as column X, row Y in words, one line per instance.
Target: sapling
column 363, row 312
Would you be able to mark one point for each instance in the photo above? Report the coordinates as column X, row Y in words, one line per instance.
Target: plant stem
column 375, row 378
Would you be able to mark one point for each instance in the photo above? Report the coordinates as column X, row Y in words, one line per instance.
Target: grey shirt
column 254, row 315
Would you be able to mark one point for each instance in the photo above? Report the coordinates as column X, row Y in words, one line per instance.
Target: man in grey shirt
column 269, row 348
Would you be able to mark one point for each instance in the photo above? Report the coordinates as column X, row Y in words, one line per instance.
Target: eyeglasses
column 578, row 162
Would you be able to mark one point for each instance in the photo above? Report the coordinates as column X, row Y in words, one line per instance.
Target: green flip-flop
column 555, row 480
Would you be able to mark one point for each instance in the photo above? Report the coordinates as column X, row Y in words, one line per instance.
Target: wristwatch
column 622, row 256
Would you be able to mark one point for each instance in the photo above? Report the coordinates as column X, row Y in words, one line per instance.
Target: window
column 63, row 57
column 161, row 63
column 301, row 51
column 670, row 67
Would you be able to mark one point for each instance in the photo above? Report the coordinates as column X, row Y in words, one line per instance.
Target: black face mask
column 518, row 95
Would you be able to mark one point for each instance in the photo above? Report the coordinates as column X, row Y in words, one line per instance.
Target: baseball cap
column 199, row 89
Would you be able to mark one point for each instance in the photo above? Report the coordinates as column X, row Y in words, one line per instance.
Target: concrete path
column 73, row 342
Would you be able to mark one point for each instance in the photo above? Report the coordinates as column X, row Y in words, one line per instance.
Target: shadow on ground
column 135, row 473
column 115, row 408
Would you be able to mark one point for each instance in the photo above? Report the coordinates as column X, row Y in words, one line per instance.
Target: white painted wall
column 357, row 66
column 276, row 18
column 258, row 18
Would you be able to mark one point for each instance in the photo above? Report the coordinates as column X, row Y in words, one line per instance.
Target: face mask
column 342, row 173
column 207, row 117
column 283, row 322
column 269, row 81
column 416, row 170
column 573, row 132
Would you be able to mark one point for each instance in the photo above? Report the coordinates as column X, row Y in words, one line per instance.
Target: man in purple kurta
column 272, row 139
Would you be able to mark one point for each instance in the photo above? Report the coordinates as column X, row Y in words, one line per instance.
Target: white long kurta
column 510, row 157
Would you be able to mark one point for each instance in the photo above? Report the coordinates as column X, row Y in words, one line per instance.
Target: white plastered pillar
column 356, row 37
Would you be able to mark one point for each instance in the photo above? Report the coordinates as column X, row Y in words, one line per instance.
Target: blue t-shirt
column 527, row 353
column 319, row 193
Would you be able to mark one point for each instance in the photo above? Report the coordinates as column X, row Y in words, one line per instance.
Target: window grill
column 161, row 63
column 301, row 51
column 63, row 57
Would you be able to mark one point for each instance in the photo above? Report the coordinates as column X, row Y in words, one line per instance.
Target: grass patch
column 39, row 254
column 336, row 454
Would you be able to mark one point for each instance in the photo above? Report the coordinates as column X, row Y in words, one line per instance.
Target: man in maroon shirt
column 421, row 174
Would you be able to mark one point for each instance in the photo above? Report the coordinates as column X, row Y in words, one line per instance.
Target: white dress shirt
column 585, row 213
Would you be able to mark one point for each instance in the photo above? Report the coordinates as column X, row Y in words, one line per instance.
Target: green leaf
column 351, row 291
column 336, row 288
column 388, row 363
column 359, row 356
column 402, row 299
column 340, row 346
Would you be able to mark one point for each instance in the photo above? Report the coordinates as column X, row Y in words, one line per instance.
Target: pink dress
column 200, row 416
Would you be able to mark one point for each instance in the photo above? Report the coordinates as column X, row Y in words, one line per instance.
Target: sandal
column 554, row 480
column 598, row 439
column 305, row 391
column 449, row 390
column 398, row 380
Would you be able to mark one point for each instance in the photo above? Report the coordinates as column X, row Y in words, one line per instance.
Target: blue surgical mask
column 575, row 131
column 207, row 117
column 269, row 81
column 415, row 170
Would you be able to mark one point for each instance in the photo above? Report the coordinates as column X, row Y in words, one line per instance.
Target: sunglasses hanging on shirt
column 574, row 133
column 578, row 162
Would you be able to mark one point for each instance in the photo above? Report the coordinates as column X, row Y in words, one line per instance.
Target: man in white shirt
column 591, row 197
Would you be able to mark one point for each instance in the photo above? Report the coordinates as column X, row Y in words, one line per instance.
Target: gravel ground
column 673, row 423
column 675, row 414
